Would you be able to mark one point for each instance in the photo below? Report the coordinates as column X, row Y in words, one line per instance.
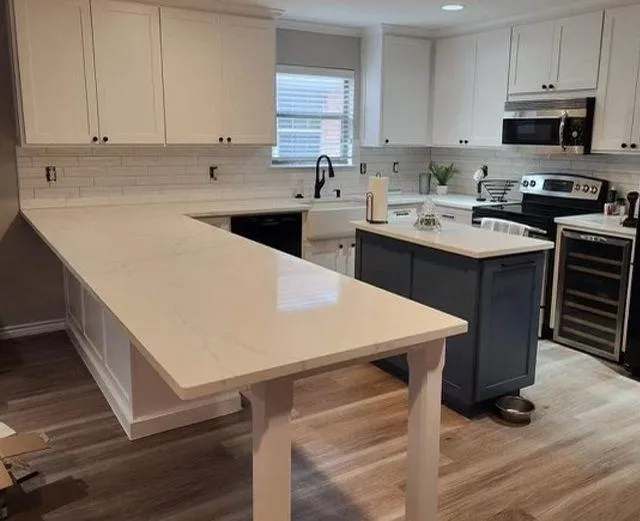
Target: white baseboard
column 34, row 328
column 136, row 428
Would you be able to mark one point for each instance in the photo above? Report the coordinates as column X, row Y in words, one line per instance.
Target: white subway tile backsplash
column 55, row 192
column 99, row 161
column 115, row 180
column 100, row 191
column 58, row 161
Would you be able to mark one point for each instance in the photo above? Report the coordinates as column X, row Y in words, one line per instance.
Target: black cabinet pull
column 386, row 141
column 515, row 265
column 220, row 140
column 105, row 139
column 633, row 145
column 460, row 141
column 551, row 86
column 228, row 140
column 94, row 139
column 624, row 145
column 544, row 87
column 466, row 141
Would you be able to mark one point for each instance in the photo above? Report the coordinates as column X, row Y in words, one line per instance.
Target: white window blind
column 315, row 112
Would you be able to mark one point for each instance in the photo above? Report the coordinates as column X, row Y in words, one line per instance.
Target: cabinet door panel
column 576, row 58
column 531, row 54
column 491, row 82
column 248, row 80
column 453, row 94
column 384, row 263
column 192, row 67
column 616, row 97
column 405, row 104
column 128, row 72
column 508, row 332
column 55, row 55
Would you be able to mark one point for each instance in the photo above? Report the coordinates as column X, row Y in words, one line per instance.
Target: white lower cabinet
column 140, row 399
column 334, row 254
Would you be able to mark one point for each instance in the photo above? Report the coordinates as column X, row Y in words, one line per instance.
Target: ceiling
column 421, row 13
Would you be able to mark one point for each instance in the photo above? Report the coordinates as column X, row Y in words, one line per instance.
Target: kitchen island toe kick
column 271, row 406
column 492, row 280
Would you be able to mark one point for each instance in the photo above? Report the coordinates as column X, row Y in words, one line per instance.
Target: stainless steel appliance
column 549, row 126
column 632, row 351
column 279, row 231
column 593, row 280
column 545, row 197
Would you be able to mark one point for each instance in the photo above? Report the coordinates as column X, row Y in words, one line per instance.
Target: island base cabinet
column 140, row 399
column 498, row 297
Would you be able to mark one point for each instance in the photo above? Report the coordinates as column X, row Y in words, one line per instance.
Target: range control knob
column 533, row 184
column 525, row 183
column 594, row 189
column 585, row 188
column 577, row 187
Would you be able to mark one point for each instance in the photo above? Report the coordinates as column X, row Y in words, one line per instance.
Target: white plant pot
column 442, row 190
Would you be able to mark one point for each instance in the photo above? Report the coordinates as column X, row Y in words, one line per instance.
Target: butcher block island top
column 459, row 239
column 212, row 311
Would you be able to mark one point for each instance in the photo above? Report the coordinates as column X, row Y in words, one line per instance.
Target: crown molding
column 407, row 30
column 311, row 27
column 219, row 6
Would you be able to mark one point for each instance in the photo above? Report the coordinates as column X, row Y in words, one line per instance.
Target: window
column 315, row 116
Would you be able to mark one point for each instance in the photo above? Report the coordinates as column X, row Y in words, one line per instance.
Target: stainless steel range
column 545, row 197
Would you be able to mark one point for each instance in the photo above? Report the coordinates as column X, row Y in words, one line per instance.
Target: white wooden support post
column 271, row 404
column 423, row 449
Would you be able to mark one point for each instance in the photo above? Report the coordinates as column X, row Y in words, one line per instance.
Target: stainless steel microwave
column 558, row 126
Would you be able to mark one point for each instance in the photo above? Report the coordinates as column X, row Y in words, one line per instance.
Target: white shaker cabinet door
column 531, row 54
column 454, row 89
column 490, row 91
column 191, row 59
column 248, row 80
column 405, row 91
column 57, row 83
column 576, row 56
column 128, row 72
column 617, row 99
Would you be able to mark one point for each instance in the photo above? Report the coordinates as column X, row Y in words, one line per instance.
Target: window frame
column 346, row 161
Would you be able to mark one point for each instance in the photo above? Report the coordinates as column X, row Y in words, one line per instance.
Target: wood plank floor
column 579, row 460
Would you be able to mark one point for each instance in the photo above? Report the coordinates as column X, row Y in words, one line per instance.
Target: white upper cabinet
column 454, row 89
column 531, row 55
column 128, row 72
column 555, row 56
column 618, row 97
column 471, row 89
column 248, row 80
column 490, row 93
column 192, row 70
column 57, row 83
column 396, row 80
column 405, row 84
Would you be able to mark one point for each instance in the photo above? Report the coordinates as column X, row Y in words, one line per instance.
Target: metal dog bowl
column 515, row 409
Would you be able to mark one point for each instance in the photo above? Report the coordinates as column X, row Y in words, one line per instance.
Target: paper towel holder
column 369, row 210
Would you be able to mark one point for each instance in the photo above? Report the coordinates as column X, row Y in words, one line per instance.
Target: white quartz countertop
column 463, row 202
column 598, row 222
column 460, row 239
column 212, row 311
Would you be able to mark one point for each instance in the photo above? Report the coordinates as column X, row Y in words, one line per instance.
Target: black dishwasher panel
column 279, row 231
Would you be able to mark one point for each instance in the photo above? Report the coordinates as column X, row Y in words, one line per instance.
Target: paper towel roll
column 378, row 200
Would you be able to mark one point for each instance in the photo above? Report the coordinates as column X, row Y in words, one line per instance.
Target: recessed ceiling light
column 452, row 7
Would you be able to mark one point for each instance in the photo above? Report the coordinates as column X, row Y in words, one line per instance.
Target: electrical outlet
column 396, row 167
column 363, row 168
column 51, row 174
column 213, row 173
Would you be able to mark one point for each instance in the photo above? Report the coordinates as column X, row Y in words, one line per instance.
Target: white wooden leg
column 271, row 404
column 423, row 449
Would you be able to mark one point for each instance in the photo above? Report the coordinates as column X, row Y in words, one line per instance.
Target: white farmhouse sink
column 331, row 219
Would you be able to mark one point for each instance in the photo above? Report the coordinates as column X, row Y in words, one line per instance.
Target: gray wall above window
column 307, row 49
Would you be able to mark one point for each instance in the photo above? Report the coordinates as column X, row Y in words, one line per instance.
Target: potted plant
column 442, row 174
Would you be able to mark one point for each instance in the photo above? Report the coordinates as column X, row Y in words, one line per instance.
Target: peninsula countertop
column 212, row 311
column 459, row 239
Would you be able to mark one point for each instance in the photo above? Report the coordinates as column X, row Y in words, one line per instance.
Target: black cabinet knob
column 386, row 141
column 105, row 139
column 228, row 140
column 466, row 141
column 220, row 140
column 634, row 145
column 551, row 86
column 544, row 87
column 94, row 139
column 624, row 145
column 460, row 141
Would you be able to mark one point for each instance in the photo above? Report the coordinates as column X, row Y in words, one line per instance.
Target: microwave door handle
column 563, row 124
